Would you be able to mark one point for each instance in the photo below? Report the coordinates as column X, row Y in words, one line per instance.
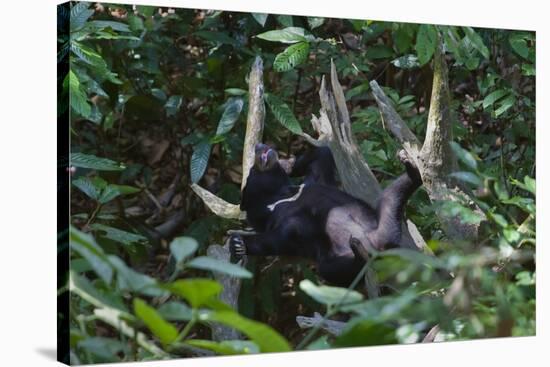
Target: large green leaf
column 328, row 295
column 93, row 162
column 291, row 57
column 505, row 104
column 260, row 18
column 367, row 332
column 85, row 246
column 116, row 319
column 468, row 177
column 88, row 55
column 226, row 347
column 166, row 332
column 183, row 247
column 130, row 280
column 287, row 35
column 267, row 339
column 464, row 156
column 283, row 114
column 199, row 160
column 426, row 42
column 216, row 37
column 233, row 108
column 118, row 235
column 115, row 26
column 78, row 99
column 82, row 287
column 491, row 98
column 476, row 41
column 218, row 266
column 196, row 291
column 518, row 42
column 87, row 186
column 175, row 311
column 80, row 13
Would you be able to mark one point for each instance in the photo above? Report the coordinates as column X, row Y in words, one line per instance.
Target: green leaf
column 267, row 339
column 175, row 311
column 199, row 160
column 476, row 41
column 82, row 287
column 235, row 91
column 291, row 57
column 226, row 347
column 490, row 99
column 233, row 108
column 467, row 177
column 328, row 295
column 130, row 280
column 165, row 331
column 85, row 246
column 80, row 14
column 261, row 18
column 105, row 348
column 505, row 105
column 88, row 187
column 216, row 37
column 466, row 215
column 119, row 235
column 287, row 35
column 282, row 113
column 78, row 99
column 112, row 191
column 196, row 291
column 115, row 319
column 464, row 156
column 406, row 62
column 426, row 42
column 379, row 52
column 367, row 332
column 88, row 55
column 135, row 23
column 315, row 22
column 218, row 266
column 91, row 161
column 518, row 43
column 285, row 20
column 183, row 247
column 530, row 185
column 528, row 69
column 115, row 26
column 414, row 257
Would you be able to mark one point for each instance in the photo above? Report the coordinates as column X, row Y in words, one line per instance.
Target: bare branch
column 219, row 206
column 334, row 129
column 229, row 295
column 438, row 159
column 254, row 131
column 256, row 115
column 331, row 326
column 395, row 123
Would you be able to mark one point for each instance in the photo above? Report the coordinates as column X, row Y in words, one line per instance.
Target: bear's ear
column 287, row 164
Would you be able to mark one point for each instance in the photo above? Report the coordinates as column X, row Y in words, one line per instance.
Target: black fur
column 320, row 223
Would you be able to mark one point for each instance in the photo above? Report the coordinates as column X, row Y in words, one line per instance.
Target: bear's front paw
column 237, row 247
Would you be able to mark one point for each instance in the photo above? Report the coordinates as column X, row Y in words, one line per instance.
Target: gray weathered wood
column 434, row 158
column 331, row 326
column 229, row 295
column 333, row 127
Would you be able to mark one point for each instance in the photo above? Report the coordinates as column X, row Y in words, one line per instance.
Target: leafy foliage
column 157, row 99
